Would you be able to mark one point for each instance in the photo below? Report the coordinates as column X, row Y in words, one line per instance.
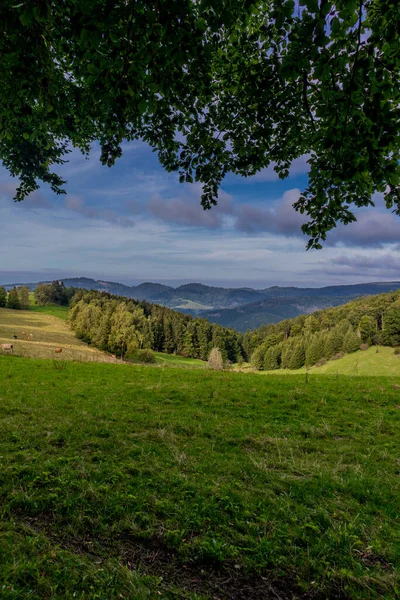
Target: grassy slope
column 376, row 361
column 172, row 360
column 60, row 312
column 108, row 469
column 47, row 332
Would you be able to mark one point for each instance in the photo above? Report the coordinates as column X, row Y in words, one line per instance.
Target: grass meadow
column 42, row 329
column 119, row 481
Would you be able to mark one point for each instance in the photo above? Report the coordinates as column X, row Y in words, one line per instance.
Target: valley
column 239, row 308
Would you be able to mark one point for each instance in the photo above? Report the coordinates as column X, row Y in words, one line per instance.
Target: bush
column 215, row 361
column 396, row 351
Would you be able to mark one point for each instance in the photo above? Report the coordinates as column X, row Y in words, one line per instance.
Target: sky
column 134, row 222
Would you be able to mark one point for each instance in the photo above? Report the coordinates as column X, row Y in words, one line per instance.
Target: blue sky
column 135, row 222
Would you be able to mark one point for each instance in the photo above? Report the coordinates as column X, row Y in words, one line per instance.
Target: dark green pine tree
column 391, row 326
column 272, row 358
column 148, row 335
column 344, row 326
column 157, row 333
column 204, row 335
column 329, row 345
column 257, row 358
column 189, row 344
column 287, row 351
column 13, row 299
column 178, row 331
column 219, row 341
column 315, row 350
column 298, row 356
column 169, row 344
column 351, row 342
column 3, row 297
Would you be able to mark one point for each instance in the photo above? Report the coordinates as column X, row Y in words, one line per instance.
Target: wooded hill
column 122, row 326
column 309, row 339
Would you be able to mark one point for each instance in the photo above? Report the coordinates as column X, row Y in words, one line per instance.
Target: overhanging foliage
column 213, row 87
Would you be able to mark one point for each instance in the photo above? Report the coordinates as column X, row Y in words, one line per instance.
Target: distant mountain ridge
column 241, row 308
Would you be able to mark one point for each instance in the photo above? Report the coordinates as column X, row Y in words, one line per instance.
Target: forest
column 326, row 334
column 122, row 326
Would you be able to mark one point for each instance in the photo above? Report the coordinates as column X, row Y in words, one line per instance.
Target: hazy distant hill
column 241, row 308
column 270, row 310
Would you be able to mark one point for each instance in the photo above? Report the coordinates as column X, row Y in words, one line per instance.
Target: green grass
column 172, row 360
column 192, row 305
column 136, row 482
column 61, row 312
column 52, row 309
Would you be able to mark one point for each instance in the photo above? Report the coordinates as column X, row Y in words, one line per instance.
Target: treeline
column 17, row 298
column 121, row 326
column 323, row 335
column 53, row 293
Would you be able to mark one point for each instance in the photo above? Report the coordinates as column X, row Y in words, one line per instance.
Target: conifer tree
column 298, row 356
column 315, row 350
column 204, row 334
column 189, row 343
column 344, row 326
column 329, row 346
column 257, row 358
column 287, row 351
column 351, row 342
column 169, row 344
column 272, row 358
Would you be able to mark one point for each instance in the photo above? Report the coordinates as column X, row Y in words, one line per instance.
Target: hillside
column 40, row 333
column 240, row 308
column 136, row 483
column 373, row 362
column 45, row 330
column 309, row 340
column 270, row 310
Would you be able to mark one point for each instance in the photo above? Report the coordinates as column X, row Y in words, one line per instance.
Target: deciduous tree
column 3, row 297
column 213, row 87
column 13, row 299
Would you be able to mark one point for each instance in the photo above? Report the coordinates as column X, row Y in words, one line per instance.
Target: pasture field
column 172, row 360
column 52, row 309
column 141, row 483
column 45, row 330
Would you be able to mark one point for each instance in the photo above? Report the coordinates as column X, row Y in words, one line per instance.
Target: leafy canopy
column 213, row 87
